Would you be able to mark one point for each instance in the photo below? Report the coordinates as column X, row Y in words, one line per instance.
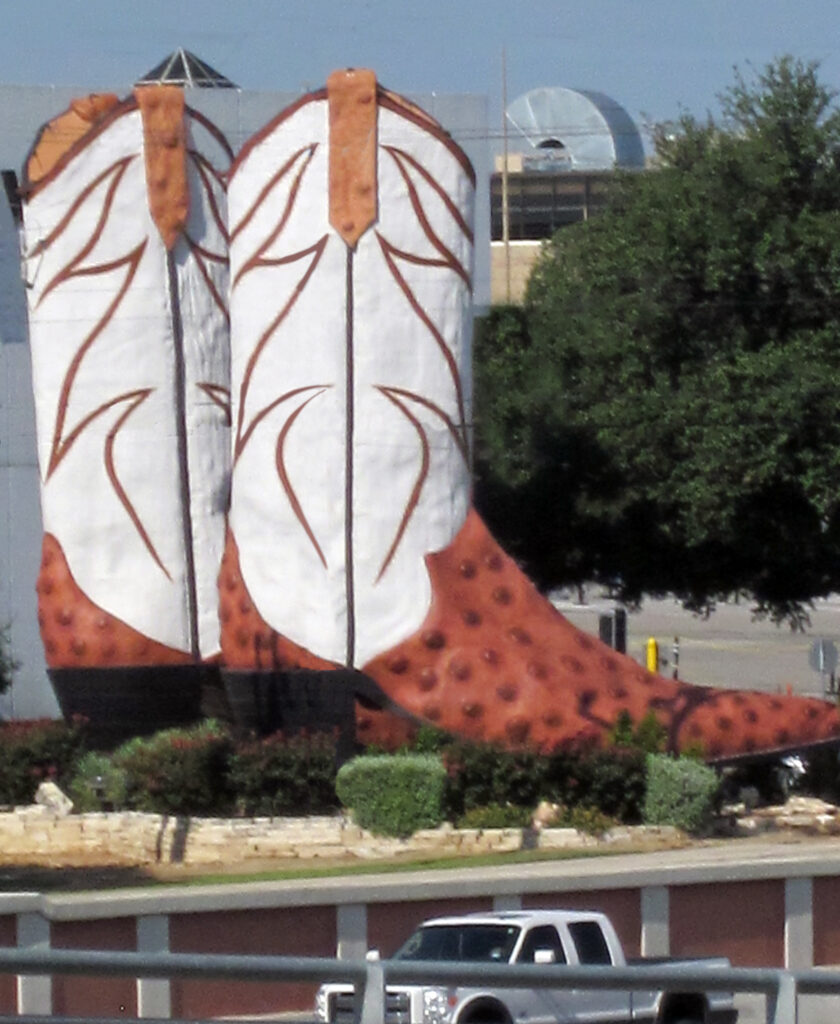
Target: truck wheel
column 485, row 1011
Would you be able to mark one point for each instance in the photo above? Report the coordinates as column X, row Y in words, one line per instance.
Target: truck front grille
column 397, row 1008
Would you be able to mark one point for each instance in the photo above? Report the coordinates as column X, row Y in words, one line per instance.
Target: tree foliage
column 665, row 410
column 8, row 665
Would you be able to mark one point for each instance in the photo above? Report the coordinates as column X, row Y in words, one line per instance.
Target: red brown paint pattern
column 165, row 149
column 248, row 642
column 78, row 633
column 58, row 136
column 351, row 101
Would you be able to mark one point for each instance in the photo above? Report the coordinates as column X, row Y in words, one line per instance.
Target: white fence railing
column 781, row 988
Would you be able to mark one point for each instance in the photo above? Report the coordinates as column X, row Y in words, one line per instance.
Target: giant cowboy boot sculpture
column 351, row 250
column 125, row 259
column 352, row 544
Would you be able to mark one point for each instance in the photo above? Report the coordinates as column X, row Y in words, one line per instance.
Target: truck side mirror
column 544, row 956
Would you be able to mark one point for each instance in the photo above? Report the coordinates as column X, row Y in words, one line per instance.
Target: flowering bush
column 36, row 751
column 578, row 774
column 284, row 775
column 177, row 771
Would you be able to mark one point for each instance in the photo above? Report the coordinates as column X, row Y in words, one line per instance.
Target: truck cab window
column 543, row 937
column 589, row 942
column 468, row 942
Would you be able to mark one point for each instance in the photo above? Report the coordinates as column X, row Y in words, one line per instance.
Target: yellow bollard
column 652, row 654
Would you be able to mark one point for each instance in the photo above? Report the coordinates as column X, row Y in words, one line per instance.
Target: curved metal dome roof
column 577, row 129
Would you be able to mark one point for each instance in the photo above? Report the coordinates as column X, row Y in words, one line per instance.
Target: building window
column 541, row 203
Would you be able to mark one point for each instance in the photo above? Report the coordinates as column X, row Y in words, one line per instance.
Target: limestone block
column 11, row 824
column 32, row 812
column 546, row 814
column 50, row 796
column 564, row 839
column 320, row 852
column 499, row 839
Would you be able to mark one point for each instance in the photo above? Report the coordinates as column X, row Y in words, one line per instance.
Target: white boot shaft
column 351, row 267
column 129, row 341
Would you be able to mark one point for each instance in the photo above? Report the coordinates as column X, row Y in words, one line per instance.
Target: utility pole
column 505, row 206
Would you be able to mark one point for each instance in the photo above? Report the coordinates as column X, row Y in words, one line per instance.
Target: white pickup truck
column 545, row 937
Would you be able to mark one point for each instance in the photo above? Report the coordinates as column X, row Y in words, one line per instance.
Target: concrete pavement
column 729, row 649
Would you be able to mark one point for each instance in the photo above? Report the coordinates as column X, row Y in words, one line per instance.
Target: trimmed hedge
column 680, row 792
column 393, row 796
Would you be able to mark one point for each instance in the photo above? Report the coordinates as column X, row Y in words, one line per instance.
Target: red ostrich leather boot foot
column 352, row 544
column 496, row 661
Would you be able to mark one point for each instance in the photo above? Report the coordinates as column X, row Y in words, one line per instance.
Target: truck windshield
column 476, row 942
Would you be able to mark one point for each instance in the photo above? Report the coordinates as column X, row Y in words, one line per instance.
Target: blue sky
column 655, row 57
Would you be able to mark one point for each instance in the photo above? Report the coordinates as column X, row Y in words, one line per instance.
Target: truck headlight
column 436, row 1008
column 321, row 1005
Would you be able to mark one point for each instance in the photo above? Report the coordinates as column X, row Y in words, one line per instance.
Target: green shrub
column 480, row 774
column 98, row 784
column 590, row 820
column 496, row 816
column 649, row 736
column 34, row 752
column 280, row 775
column 177, row 771
column 393, row 796
column 429, row 740
column 585, row 775
column 680, row 791
column 8, row 664
column 616, row 783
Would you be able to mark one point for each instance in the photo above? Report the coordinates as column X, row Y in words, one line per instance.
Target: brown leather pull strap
column 351, row 95
column 165, row 146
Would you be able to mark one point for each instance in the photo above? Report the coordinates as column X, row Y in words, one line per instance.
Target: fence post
column 656, row 925
column 372, row 1009
column 799, row 923
column 506, row 902
column 34, row 992
column 154, row 995
column 781, row 1004
column 351, row 926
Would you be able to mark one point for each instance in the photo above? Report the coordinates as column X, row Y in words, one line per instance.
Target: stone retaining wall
column 50, row 835
column 39, row 835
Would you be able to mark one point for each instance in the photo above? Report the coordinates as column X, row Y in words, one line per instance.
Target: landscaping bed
column 193, row 801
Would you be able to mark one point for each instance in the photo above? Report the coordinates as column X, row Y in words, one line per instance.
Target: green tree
column 8, row 665
column 668, row 399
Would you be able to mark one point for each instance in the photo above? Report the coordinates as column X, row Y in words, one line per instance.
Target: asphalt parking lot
column 729, row 649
